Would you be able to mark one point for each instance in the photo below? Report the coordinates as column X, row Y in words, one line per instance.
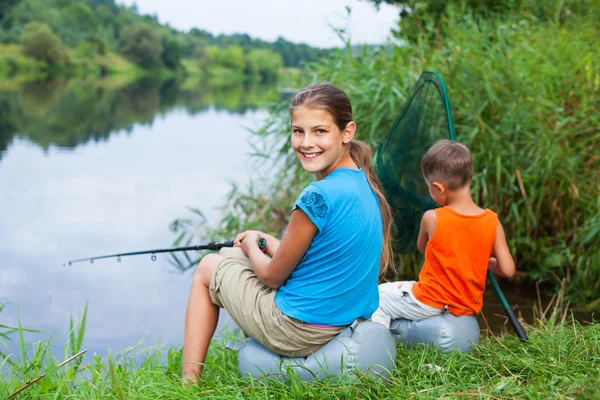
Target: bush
column 141, row 44
column 91, row 47
column 263, row 64
column 40, row 42
column 231, row 57
column 171, row 54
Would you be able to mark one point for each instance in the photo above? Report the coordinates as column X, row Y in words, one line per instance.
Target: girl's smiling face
column 318, row 142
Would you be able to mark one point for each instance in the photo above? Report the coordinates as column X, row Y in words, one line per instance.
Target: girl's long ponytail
column 362, row 155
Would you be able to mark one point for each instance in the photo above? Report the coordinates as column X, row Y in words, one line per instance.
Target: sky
column 299, row 21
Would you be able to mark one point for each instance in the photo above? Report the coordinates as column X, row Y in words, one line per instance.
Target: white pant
column 395, row 303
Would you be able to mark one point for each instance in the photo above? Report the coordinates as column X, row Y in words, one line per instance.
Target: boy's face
column 437, row 191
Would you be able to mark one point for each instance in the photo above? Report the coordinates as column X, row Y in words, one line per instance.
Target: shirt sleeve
column 314, row 203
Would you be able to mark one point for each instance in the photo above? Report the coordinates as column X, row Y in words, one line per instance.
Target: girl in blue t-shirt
column 299, row 293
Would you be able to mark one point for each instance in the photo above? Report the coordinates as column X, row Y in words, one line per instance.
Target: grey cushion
column 365, row 346
column 445, row 331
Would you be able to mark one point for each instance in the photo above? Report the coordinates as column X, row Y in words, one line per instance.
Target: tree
column 422, row 18
column 172, row 49
column 263, row 65
column 74, row 22
column 231, row 57
column 91, row 47
column 141, row 44
column 202, row 55
column 39, row 41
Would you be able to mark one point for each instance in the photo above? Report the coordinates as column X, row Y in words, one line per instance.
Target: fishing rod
column 262, row 243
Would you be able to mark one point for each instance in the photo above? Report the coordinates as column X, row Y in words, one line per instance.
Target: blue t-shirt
column 336, row 280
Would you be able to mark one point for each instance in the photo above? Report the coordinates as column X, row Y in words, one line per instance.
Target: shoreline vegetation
column 17, row 68
column 561, row 359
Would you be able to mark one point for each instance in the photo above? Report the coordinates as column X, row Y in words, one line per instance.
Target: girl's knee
column 204, row 269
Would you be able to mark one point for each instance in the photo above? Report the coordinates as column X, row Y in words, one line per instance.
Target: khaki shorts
column 235, row 287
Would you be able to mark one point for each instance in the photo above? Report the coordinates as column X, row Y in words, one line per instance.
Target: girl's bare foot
column 189, row 380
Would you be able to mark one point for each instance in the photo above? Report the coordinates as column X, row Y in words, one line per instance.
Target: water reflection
column 69, row 113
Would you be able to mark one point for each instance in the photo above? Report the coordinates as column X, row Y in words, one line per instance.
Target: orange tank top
column 456, row 261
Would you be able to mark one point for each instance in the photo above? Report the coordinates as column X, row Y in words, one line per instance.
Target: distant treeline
column 63, row 33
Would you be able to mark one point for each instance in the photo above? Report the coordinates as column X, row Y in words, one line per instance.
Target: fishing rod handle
column 262, row 244
column 219, row 245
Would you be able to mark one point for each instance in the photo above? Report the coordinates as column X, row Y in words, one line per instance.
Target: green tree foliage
column 423, row 19
column 141, row 43
column 172, row 50
column 231, row 57
column 39, row 41
column 77, row 23
column 91, row 47
column 263, row 65
column 294, row 55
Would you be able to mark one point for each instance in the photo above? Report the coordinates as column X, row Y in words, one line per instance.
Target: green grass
column 560, row 360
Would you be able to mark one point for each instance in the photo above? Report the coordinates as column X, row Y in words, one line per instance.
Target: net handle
column 446, row 103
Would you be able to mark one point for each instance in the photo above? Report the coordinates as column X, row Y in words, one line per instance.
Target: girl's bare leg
column 200, row 320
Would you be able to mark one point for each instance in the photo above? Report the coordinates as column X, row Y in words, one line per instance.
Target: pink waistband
column 324, row 326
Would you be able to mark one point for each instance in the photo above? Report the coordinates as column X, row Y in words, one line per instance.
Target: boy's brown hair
column 449, row 162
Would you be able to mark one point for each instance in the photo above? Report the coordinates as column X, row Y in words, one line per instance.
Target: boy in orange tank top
column 460, row 240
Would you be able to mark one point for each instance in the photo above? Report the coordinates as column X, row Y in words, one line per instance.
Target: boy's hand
column 493, row 264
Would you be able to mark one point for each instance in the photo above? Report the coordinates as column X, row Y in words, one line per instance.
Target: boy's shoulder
column 432, row 217
column 429, row 217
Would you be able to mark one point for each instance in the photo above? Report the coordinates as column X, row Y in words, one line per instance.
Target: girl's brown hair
column 330, row 98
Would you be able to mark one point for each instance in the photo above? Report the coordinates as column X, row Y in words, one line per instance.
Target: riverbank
column 16, row 66
column 560, row 359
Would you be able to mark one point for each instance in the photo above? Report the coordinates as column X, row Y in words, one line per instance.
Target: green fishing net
column 424, row 119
